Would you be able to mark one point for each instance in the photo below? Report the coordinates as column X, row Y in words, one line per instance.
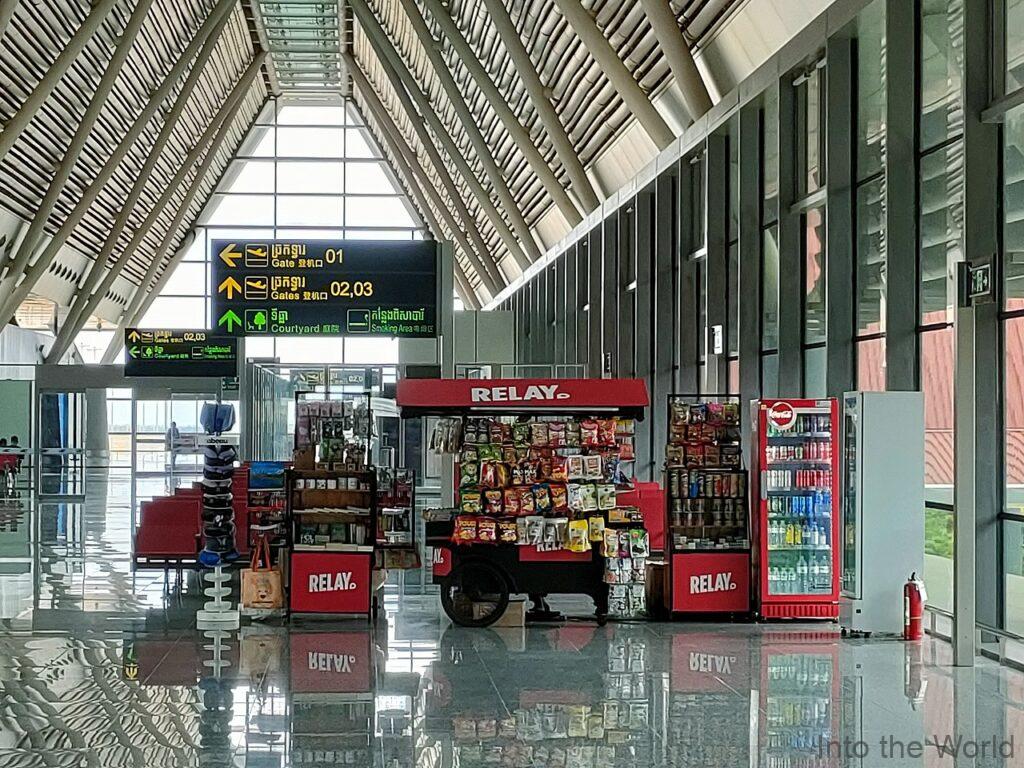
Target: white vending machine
column 883, row 507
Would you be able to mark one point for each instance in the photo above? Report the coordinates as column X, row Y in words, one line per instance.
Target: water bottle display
column 796, row 460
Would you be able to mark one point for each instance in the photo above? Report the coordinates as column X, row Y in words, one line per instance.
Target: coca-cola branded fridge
column 796, row 498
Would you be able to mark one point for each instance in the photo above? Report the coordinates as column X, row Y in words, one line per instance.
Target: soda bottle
column 801, row 575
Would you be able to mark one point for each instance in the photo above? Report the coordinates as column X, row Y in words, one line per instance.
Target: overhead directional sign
column 179, row 353
column 325, row 288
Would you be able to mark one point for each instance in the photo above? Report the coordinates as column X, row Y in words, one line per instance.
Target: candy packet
column 595, row 526
column 574, row 496
column 610, row 546
column 606, row 496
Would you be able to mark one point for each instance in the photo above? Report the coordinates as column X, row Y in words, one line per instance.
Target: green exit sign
column 976, row 284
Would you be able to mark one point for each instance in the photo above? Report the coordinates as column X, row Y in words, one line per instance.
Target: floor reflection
column 102, row 667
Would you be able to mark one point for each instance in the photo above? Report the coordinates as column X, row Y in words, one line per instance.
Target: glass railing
column 938, row 554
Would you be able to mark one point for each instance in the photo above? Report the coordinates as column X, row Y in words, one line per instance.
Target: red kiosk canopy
column 440, row 396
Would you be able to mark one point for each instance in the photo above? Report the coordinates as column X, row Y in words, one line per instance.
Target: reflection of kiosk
column 477, row 579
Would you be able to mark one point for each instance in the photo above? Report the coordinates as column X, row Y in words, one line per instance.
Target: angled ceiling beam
column 680, row 59
column 405, row 81
column 144, row 294
column 538, row 97
column 476, row 138
column 618, row 74
column 414, row 175
column 20, row 264
column 483, row 261
column 85, row 301
column 19, row 120
column 6, row 12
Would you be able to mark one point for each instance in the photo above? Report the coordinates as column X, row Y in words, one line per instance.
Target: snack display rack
column 707, row 508
column 539, row 465
column 333, row 518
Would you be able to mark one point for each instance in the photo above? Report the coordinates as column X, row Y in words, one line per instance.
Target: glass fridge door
column 797, row 478
column 851, row 481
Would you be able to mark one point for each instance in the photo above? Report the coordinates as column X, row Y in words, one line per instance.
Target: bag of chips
column 522, row 532
column 574, row 497
column 508, row 454
column 559, row 469
column 489, row 474
column 578, row 538
column 556, row 434
column 511, row 501
column 593, row 467
column 465, row 530
column 606, row 496
column 606, row 432
column 589, row 493
column 559, row 497
column 488, row 452
column 575, row 467
column 589, row 436
column 507, row 531
column 494, row 432
column 534, row 529
column 471, row 502
column 542, row 497
column 538, row 434
column 493, row 501
column 595, row 528
column 638, row 543
column 526, row 505
column 487, row 530
column 521, row 434
column 469, row 473
column 572, row 434
column 610, row 546
column 623, row 543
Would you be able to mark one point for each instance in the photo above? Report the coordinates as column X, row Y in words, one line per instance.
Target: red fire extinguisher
column 914, row 597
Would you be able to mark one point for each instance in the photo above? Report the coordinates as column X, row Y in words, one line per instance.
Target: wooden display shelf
column 332, row 472
column 348, row 548
column 340, row 516
column 329, row 497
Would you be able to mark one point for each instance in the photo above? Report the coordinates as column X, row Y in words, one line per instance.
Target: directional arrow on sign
column 230, row 286
column 229, row 255
column 133, row 351
column 230, row 319
column 133, row 336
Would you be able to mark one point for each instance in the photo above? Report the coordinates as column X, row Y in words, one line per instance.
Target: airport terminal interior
column 523, row 383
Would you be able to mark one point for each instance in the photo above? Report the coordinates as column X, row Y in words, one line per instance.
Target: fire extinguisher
column 914, row 597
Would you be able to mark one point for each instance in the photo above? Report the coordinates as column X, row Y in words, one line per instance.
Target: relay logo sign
column 515, row 394
column 710, row 662
column 711, row 582
column 782, row 416
column 342, row 663
column 342, row 581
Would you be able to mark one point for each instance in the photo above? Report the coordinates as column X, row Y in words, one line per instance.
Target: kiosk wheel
column 475, row 594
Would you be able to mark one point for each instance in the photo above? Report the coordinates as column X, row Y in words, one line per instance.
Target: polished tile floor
column 102, row 667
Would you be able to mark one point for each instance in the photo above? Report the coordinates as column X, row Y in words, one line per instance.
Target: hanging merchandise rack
column 538, row 466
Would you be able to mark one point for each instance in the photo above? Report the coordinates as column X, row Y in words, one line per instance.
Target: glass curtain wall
column 770, row 243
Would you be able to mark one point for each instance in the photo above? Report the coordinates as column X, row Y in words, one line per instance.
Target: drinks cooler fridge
column 796, row 472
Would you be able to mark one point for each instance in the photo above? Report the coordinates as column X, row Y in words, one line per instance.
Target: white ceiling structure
column 507, row 121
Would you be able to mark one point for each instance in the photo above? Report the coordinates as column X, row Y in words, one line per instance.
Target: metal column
column 645, row 333
column 663, row 269
column 751, row 206
column 609, row 293
column 571, row 305
column 791, row 268
column 686, row 293
column 716, row 261
column 840, row 373
column 901, row 246
column 595, row 315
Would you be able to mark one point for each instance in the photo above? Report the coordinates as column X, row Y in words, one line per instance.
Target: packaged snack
column 494, row 432
column 469, row 473
column 578, row 537
column 574, row 497
column 508, row 454
column 559, row 497
column 731, row 413
column 464, row 727
column 471, row 502
column 507, row 531
column 522, row 531
column 610, row 547
column 493, row 501
column 589, row 433
column 542, row 497
column 595, row 525
column 561, row 530
column 575, row 467
column 538, row 434
column 530, row 472
column 556, row 434
column 623, row 537
column 517, row 473
column 504, row 475
column 489, row 474
column 638, row 543
column 521, row 434
column 577, row 728
column 611, row 714
column 606, row 432
column 593, row 467
column 487, row 728
column 488, row 452
column 606, row 496
column 534, row 529
column 572, row 434
column 559, row 469
column 589, row 493
column 551, row 533
column 487, row 530
column 465, row 529
column 507, row 728
column 526, row 505
column 469, row 453
column 510, row 502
